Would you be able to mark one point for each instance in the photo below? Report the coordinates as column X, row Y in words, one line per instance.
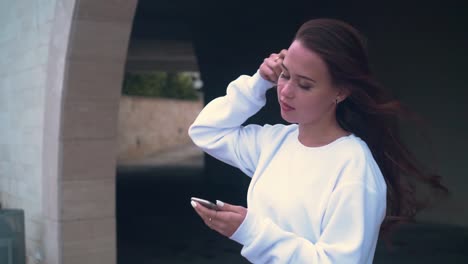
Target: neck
column 321, row 133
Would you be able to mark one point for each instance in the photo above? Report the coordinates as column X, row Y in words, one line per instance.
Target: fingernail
column 219, row 203
column 194, row 204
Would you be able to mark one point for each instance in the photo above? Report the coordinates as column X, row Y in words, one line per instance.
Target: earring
column 336, row 100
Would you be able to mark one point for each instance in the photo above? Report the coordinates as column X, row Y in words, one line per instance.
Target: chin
column 288, row 118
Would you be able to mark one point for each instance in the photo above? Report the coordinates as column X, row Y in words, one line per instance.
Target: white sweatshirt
column 305, row 204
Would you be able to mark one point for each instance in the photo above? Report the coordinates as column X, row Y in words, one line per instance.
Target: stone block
column 9, row 31
column 51, row 194
column 89, row 119
column 5, row 153
column 31, row 98
column 34, row 230
column 45, row 11
column 113, row 10
column 88, row 159
column 32, row 247
column 28, row 78
column 106, row 41
column 92, row 79
column 91, row 241
column 92, row 257
column 44, row 32
column 87, row 199
column 52, row 247
column 35, row 56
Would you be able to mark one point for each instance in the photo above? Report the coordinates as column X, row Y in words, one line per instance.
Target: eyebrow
column 301, row 76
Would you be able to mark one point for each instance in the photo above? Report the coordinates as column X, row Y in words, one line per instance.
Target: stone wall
column 25, row 31
column 151, row 125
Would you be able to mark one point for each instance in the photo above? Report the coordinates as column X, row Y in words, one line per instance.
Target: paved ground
column 156, row 224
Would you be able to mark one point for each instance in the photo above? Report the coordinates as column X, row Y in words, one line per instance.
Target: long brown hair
column 370, row 113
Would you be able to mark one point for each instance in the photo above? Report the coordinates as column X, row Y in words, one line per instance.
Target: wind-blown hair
column 370, row 113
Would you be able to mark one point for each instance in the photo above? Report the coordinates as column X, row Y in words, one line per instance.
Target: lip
column 285, row 106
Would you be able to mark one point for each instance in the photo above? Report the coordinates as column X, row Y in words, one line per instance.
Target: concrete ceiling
column 165, row 19
column 162, row 36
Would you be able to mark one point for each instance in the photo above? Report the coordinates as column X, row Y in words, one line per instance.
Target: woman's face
column 305, row 91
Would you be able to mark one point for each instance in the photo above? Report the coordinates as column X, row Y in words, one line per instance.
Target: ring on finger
column 214, row 217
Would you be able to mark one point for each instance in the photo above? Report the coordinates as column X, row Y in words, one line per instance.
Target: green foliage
column 160, row 84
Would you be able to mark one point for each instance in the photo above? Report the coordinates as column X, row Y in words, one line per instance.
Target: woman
column 318, row 192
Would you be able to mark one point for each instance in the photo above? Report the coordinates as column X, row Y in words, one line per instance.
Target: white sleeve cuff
column 260, row 85
column 248, row 229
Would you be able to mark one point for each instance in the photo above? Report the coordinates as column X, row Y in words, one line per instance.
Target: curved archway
column 85, row 69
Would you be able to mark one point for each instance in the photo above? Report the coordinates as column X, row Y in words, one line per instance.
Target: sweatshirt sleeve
column 349, row 232
column 218, row 128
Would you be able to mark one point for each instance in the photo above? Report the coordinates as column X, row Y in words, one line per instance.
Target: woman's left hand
column 225, row 221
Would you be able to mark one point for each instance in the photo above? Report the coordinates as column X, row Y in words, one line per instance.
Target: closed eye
column 302, row 86
column 284, row 76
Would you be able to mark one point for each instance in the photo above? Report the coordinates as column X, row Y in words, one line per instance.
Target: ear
column 343, row 93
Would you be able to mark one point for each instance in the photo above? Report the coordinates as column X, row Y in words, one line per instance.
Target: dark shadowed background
column 418, row 50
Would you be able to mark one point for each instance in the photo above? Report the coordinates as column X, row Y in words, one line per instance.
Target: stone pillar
column 86, row 64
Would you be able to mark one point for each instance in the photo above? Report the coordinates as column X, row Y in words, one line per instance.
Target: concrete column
column 85, row 72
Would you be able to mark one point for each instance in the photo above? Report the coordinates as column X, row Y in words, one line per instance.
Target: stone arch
column 85, row 69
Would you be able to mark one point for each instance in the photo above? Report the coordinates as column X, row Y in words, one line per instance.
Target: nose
column 287, row 90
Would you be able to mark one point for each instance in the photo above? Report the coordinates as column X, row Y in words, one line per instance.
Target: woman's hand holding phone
column 221, row 217
column 205, row 203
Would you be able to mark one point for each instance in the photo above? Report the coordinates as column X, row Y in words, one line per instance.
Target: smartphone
column 205, row 203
